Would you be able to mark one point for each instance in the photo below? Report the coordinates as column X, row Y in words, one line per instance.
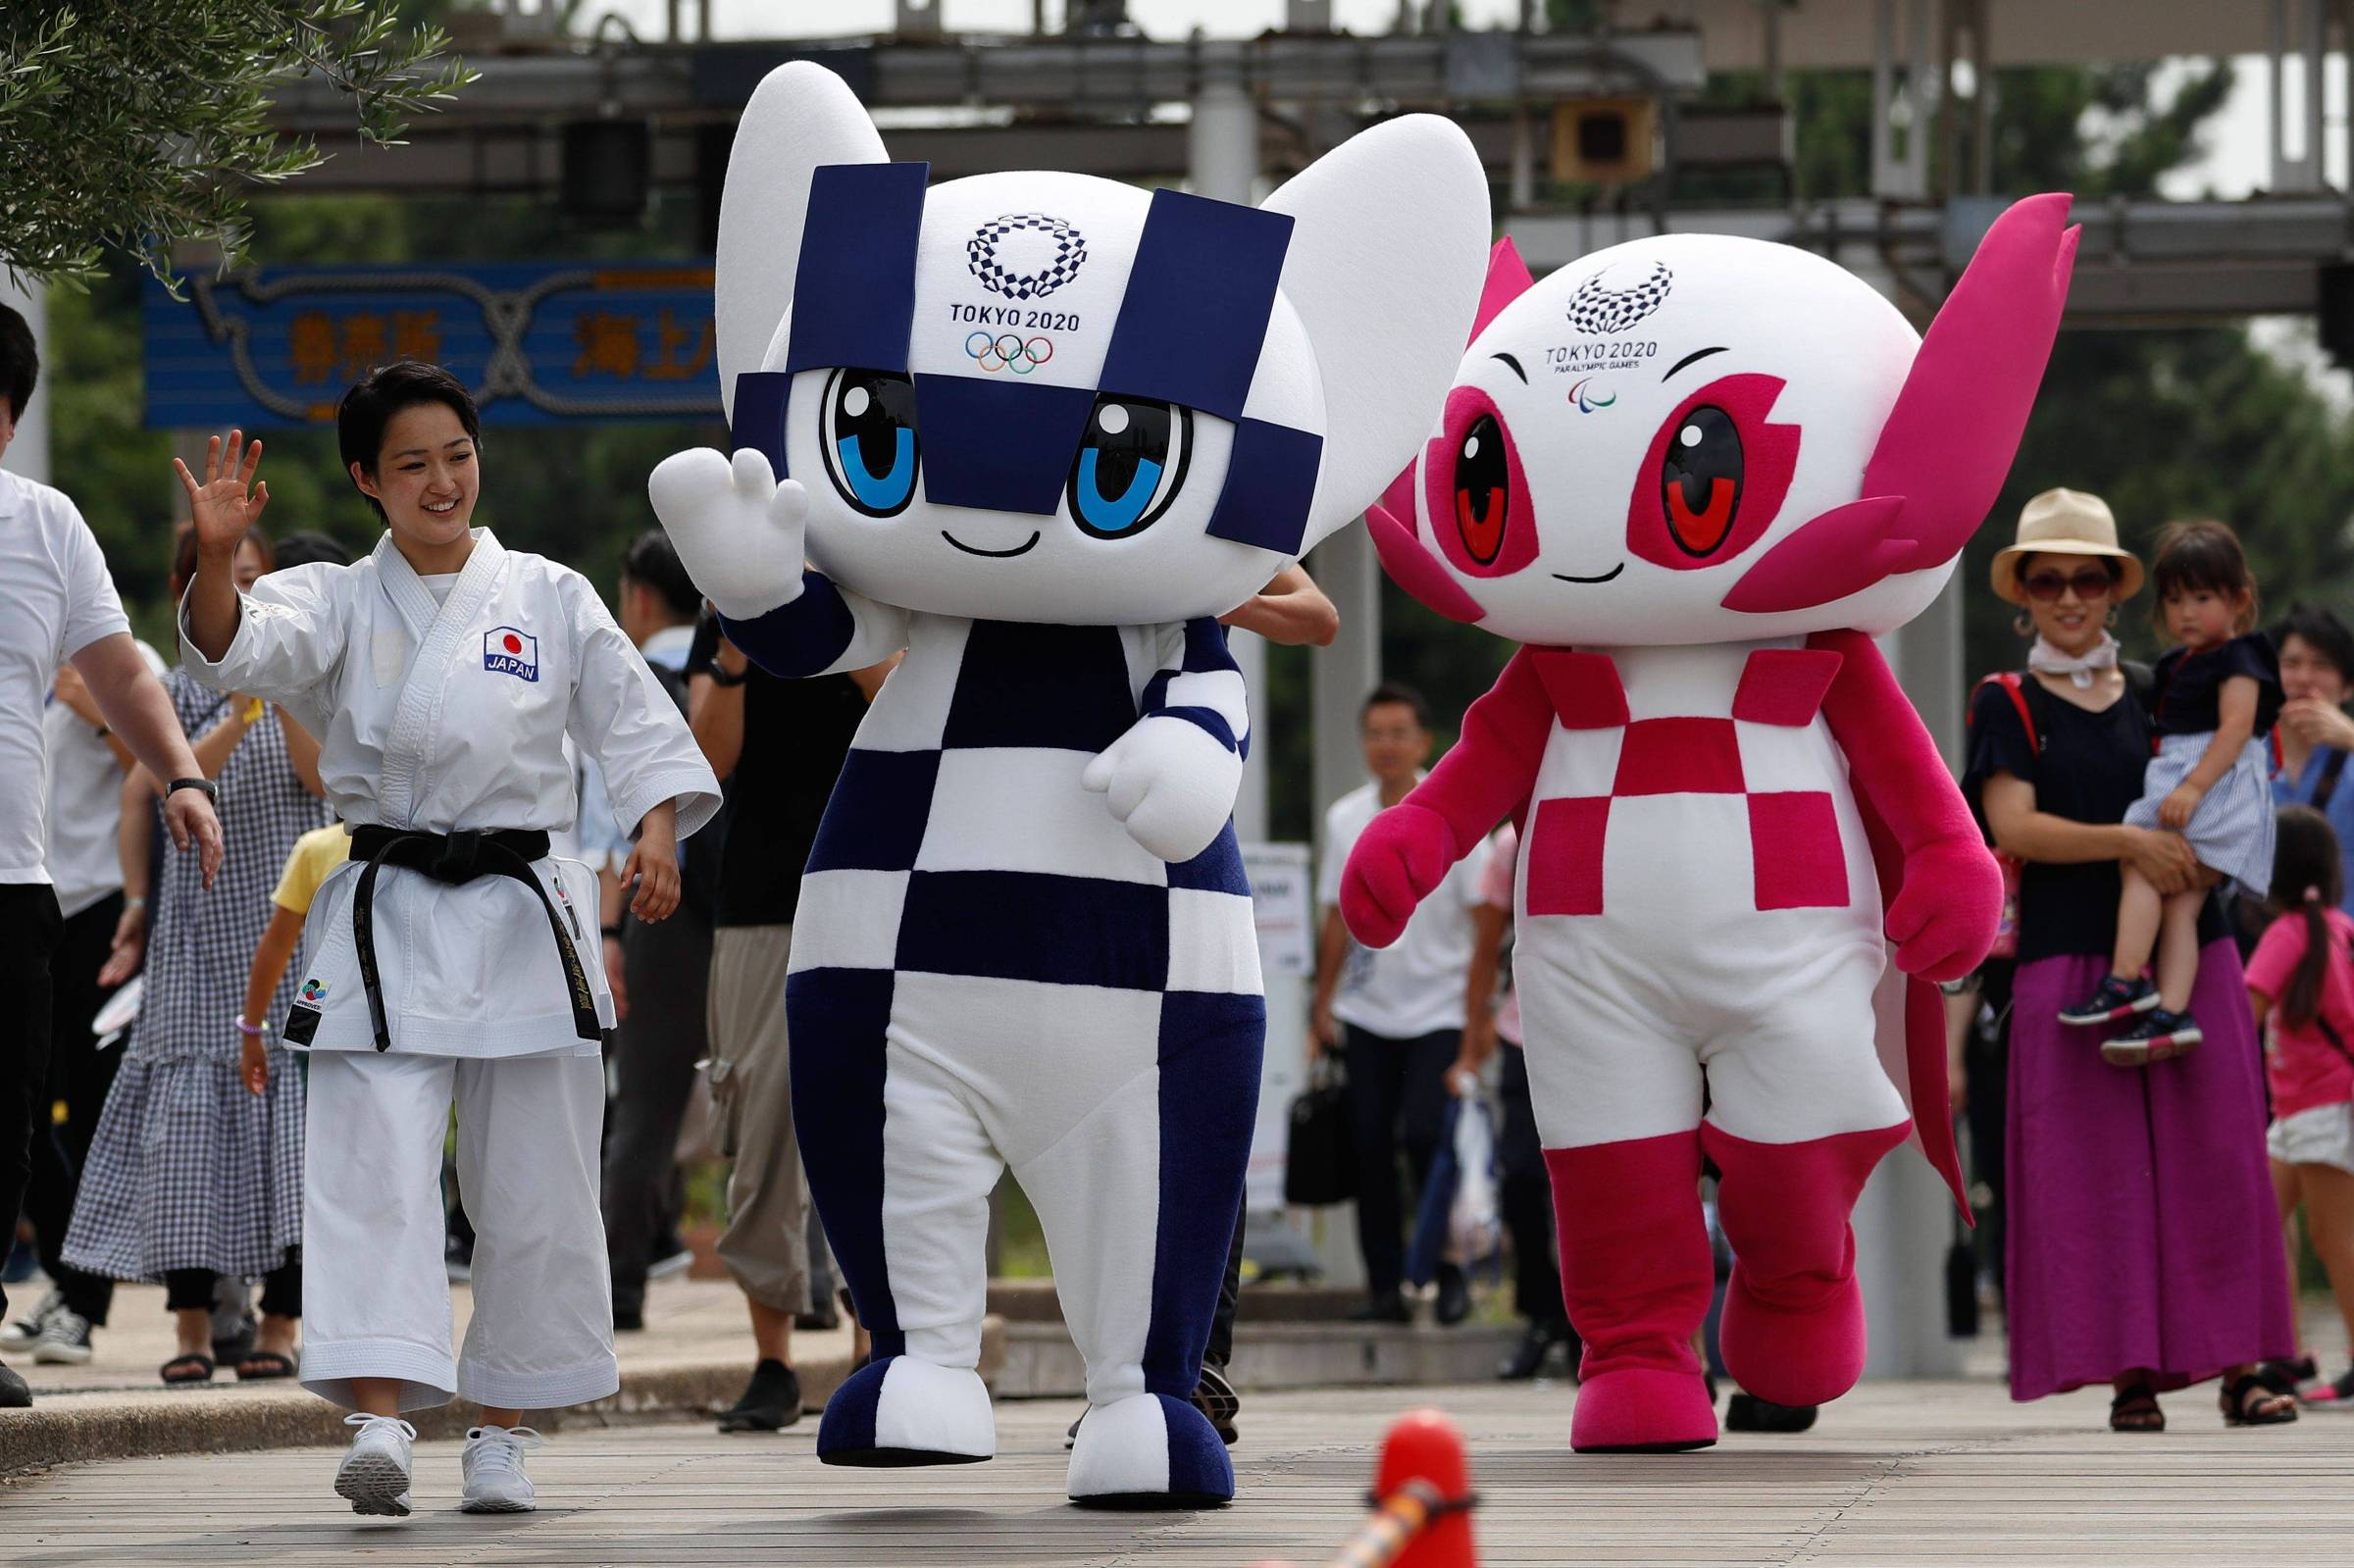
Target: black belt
column 458, row 858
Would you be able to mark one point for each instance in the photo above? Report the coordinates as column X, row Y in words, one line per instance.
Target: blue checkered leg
column 990, row 971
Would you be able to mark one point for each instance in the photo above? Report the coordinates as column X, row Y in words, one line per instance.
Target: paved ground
column 1916, row 1474
column 686, row 1320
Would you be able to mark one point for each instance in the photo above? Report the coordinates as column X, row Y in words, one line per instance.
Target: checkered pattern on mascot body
column 1025, row 936
column 1731, row 817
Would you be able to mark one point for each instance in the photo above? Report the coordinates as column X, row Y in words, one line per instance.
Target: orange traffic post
column 1421, row 1501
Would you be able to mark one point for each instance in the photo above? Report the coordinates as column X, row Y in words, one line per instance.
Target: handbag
column 1319, row 1163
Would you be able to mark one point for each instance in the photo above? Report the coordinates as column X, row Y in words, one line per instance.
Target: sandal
column 182, row 1370
column 2135, row 1409
column 264, row 1365
column 2247, row 1402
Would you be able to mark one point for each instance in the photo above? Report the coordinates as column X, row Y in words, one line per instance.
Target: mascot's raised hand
column 737, row 526
column 1694, row 477
column 1042, row 430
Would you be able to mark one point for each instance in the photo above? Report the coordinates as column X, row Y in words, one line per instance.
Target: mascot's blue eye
column 1130, row 467
column 869, row 437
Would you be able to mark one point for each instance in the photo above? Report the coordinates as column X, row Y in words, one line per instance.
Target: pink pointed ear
column 1950, row 439
column 1948, row 443
column 1507, row 279
column 1418, row 571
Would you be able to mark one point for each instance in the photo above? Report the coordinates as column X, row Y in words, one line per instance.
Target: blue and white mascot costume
column 1042, row 429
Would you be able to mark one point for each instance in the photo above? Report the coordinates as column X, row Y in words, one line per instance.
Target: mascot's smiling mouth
column 1022, row 548
column 1605, row 578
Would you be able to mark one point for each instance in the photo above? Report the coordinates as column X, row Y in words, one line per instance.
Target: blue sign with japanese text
column 538, row 344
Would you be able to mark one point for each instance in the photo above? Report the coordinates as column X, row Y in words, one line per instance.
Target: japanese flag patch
column 510, row 651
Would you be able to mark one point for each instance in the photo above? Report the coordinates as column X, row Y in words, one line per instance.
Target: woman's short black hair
column 366, row 408
column 19, row 362
column 2202, row 555
column 2323, row 631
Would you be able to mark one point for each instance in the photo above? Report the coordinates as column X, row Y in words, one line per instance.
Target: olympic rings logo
column 1008, row 349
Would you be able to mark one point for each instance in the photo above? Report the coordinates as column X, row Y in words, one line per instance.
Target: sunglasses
column 2093, row 582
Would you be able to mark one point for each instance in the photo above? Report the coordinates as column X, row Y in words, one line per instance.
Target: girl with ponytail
column 2302, row 974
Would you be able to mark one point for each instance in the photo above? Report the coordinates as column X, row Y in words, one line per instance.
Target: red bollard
column 1424, row 1486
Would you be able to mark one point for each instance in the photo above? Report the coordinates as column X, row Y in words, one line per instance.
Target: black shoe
column 1746, row 1412
column 1387, row 1307
column 2288, row 1377
column 1535, row 1349
column 228, row 1348
column 13, row 1394
column 771, row 1402
column 1455, row 1299
column 629, row 1320
column 2116, row 1000
column 1215, row 1398
column 2158, row 1036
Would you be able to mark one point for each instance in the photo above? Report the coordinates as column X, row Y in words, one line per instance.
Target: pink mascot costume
column 1695, row 476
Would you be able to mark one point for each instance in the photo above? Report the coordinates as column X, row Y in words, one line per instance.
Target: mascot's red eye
column 1700, row 480
column 1482, row 490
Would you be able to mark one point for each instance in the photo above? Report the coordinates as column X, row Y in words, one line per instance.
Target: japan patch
column 510, row 651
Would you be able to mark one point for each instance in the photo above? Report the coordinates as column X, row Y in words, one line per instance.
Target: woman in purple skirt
column 2143, row 1251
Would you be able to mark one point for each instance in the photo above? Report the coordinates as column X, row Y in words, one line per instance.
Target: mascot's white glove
column 737, row 528
column 1169, row 781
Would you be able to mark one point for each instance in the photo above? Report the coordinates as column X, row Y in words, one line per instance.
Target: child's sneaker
column 2339, row 1395
column 493, row 1467
column 373, row 1477
column 23, row 1334
column 64, row 1339
column 2115, row 999
column 2158, row 1036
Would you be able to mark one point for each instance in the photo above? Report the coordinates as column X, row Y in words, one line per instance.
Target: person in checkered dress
column 1039, row 432
column 190, row 1176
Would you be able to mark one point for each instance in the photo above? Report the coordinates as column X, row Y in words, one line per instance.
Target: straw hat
column 2064, row 523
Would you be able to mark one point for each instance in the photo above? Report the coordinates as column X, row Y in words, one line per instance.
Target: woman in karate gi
column 453, row 960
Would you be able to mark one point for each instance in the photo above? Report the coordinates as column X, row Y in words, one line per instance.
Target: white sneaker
column 374, row 1476
column 64, row 1339
column 21, row 1334
column 493, row 1467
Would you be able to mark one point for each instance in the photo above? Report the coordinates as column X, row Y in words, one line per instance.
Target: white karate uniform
column 448, row 717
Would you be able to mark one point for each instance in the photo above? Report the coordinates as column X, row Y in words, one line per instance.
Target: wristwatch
column 721, row 678
column 204, row 787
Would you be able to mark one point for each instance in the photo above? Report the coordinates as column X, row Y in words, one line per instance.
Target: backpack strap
column 2333, row 766
column 2013, row 686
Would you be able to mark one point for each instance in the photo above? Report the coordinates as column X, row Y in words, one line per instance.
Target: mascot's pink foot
column 1642, row 1410
column 1807, row 1351
column 1793, row 1326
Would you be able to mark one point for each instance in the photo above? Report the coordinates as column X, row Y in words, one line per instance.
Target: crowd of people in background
column 2157, row 1065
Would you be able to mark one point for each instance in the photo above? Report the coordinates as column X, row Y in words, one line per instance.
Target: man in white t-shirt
column 57, row 604
column 1399, row 1016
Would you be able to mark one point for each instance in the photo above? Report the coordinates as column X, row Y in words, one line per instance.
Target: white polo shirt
column 85, row 788
column 56, row 599
column 1415, row 987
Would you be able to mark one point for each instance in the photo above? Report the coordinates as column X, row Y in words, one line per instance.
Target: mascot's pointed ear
column 1949, row 441
column 1507, row 279
column 1384, row 270
column 800, row 118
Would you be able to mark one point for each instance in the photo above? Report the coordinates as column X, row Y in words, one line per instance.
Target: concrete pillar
column 1222, row 159
column 1905, row 1221
column 28, row 453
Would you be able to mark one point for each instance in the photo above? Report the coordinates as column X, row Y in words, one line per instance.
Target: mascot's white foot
column 1149, row 1452
column 901, row 1411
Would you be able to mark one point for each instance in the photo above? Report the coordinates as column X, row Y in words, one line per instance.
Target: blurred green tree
column 143, row 126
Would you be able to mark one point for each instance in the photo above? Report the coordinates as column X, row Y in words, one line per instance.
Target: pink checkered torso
column 1694, row 796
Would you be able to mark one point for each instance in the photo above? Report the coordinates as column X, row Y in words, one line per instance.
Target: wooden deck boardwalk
column 1897, row 1474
